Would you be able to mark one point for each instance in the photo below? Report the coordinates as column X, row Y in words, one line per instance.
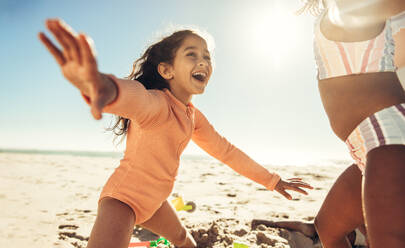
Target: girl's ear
column 165, row 70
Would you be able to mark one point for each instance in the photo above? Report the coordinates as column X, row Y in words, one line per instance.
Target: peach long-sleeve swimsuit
column 159, row 130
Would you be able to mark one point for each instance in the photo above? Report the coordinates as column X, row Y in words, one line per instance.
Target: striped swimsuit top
column 334, row 58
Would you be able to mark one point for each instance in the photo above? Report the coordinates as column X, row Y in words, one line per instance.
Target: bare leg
column 114, row 224
column 384, row 198
column 341, row 211
column 166, row 223
column 308, row 229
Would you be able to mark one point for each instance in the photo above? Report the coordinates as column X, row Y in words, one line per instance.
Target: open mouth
column 200, row 76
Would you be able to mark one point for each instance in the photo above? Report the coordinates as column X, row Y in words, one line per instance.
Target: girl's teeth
column 200, row 76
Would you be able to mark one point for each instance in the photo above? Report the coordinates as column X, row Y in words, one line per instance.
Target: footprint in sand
column 68, row 226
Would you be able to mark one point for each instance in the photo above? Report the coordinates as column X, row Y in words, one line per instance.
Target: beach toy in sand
column 179, row 205
column 239, row 245
column 151, row 243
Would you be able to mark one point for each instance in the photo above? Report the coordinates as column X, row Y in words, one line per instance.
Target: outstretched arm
column 207, row 138
column 79, row 66
column 126, row 98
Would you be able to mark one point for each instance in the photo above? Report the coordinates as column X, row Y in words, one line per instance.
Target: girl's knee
column 182, row 238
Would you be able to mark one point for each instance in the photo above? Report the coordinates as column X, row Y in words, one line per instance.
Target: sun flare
column 275, row 33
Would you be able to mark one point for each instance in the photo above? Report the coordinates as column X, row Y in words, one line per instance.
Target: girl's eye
column 192, row 54
column 208, row 58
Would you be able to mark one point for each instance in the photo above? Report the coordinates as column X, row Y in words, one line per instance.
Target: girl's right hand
column 79, row 66
column 294, row 184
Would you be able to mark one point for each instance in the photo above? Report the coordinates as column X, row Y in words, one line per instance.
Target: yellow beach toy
column 239, row 245
column 180, row 206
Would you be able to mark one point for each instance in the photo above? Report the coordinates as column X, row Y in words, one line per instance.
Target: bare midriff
column 350, row 99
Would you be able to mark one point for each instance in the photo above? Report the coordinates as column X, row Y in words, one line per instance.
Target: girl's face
column 191, row 68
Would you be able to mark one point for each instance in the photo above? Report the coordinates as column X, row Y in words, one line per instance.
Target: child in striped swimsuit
column 354, row 46
column 157, row 116
column 376, row 55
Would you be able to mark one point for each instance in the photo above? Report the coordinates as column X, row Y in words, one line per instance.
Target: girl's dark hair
column 145, row 70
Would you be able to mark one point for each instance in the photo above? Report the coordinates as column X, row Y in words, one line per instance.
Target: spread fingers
column 86, row 50
column 56, row 53
column 66, row 37
column 296, row 188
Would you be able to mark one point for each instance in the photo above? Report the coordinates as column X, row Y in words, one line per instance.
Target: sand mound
column 224, row 232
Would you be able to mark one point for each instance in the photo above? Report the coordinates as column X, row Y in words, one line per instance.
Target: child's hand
column 292, row 184
column 79, row 65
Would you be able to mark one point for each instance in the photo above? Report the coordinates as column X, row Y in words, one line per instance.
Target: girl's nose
column 202, row 63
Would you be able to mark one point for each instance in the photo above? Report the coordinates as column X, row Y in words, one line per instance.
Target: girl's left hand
column 292, row 184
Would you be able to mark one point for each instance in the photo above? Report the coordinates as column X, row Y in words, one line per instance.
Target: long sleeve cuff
column 273, row 182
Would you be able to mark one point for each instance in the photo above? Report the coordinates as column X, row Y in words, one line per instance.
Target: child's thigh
column 384, row 197
column 341, row 211
column 165, row 222
column 114, row 225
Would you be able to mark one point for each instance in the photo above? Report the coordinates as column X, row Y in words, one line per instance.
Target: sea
column 193, row 157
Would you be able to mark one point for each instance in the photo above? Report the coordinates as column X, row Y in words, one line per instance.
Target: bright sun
column 276, row 33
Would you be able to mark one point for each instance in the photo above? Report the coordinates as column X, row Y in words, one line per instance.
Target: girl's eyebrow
column 194, row 47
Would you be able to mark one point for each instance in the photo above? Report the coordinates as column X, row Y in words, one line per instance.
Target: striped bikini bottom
column 385, row 127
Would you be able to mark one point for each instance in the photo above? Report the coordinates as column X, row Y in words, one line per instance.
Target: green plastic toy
column 150, row 243
column 159, row 241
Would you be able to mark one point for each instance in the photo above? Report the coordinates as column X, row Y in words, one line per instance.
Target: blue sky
column 263, row 94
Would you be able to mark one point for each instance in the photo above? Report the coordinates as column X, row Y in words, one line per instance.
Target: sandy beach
column 51, row 201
